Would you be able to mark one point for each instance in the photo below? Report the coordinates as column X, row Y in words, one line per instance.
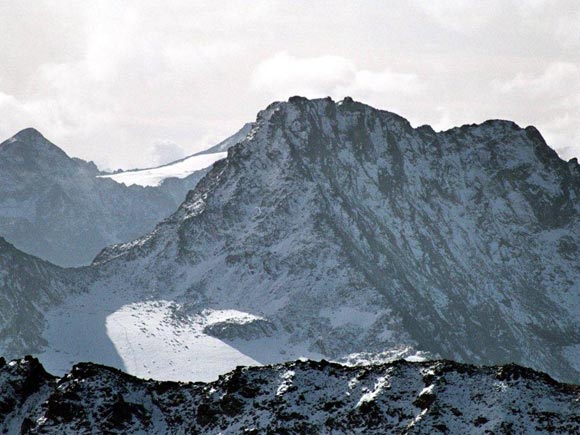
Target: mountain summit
column 28, row 135
column 29, row 147
column 338, row 230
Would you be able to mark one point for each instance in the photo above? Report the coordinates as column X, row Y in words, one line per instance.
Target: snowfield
column 179, row 169
column 153, row 340
column 181, row 352
column 145, row 339
column 121, row 337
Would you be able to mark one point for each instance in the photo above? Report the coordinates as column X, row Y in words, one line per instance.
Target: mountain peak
column 29, row 134
column 299, row 112
column 302, row 116
column 30, row 145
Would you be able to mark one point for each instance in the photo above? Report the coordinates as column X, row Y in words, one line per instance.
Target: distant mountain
column 60, row 209
column 28, row 286
column 226, row 144
column 183, row 168
column 296, row 397
column 337, row 230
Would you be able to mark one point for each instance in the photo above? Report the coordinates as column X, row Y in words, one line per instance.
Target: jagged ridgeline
column 337, row 229
column 295, row 397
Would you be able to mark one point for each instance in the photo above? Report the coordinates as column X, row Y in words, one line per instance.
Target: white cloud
column 137, row 77
column 463, row 16
column 166, row 151
column 18, row 114
column 568, row 28
column 387, row 82
column 551, row 100
column 107, row 80
column 444, row 122
column 559, row 80
column 283, row 75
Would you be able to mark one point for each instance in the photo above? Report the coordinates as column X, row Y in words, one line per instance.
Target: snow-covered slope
column 144, row 339
column 343, row 232
column 58, row 207
column 296, row 397
column 226, row 144
column 180, row 168
column 154, row 176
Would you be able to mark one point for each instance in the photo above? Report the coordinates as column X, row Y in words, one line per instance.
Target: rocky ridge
column 295, row 397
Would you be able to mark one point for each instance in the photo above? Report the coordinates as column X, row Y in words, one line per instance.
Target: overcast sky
column 137, row 83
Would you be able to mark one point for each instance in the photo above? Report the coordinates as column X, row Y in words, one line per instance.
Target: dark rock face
column 21, row 381
column 230, row 330
column 295, row 397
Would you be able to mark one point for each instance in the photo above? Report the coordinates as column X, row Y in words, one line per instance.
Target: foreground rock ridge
column 337, row 229
column 294, row 397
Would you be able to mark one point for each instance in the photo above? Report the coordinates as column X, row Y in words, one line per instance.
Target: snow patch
column 175, row 351
column 179, row 169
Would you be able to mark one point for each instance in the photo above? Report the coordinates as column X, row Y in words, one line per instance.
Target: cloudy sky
column 136, row 83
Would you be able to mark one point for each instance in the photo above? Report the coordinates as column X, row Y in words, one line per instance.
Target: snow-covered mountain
column 337, row 230
column 58, row 207
column 197, row 163
column 295, row 397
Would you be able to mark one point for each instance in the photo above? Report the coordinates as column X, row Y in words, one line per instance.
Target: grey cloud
column 105, row 79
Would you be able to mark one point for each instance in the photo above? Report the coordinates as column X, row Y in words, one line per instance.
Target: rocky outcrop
column 295, row 397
